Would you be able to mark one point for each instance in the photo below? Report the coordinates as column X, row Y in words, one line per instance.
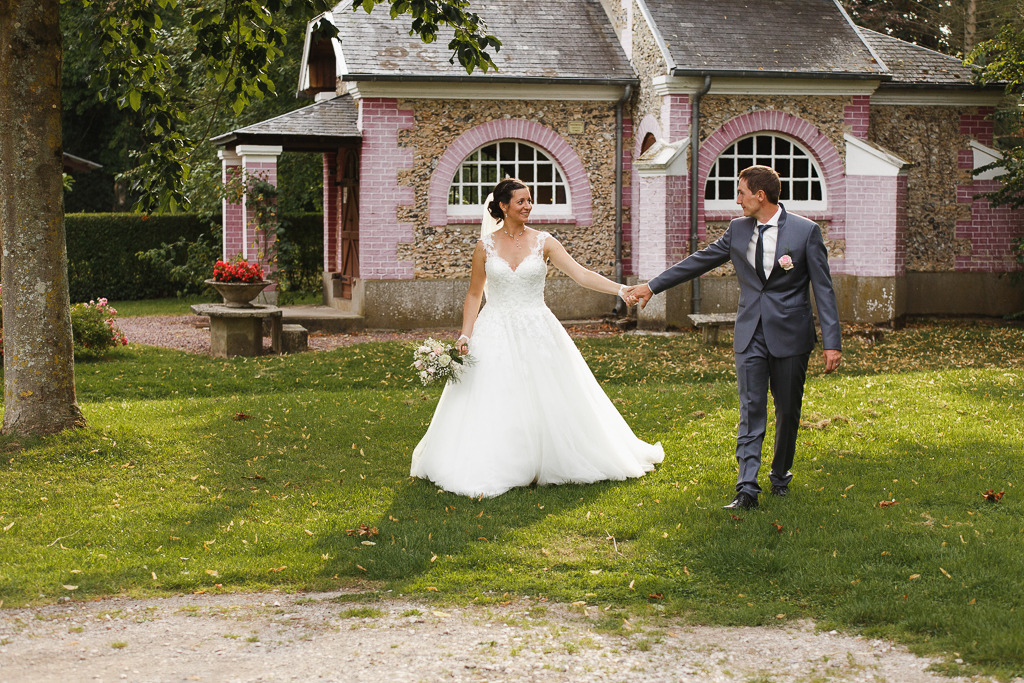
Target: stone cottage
column 630, row 120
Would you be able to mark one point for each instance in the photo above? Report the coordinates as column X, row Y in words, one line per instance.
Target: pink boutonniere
column 786, row 262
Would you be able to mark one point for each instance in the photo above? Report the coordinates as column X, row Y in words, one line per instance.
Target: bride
column 529, row 409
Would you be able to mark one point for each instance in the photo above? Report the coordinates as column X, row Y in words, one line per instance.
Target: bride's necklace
column 515, row 237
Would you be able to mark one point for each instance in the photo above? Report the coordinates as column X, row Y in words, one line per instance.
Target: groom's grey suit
column 774, row 332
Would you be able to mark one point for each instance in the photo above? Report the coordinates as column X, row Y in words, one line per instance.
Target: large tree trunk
column 39, row 370
column 970, row 25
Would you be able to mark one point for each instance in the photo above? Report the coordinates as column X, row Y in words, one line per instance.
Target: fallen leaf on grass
column 888, row 503
column 441, row 614
column 212, row 572
column 362, row 530
column 278, row 569
column 368, row 543
column 154, row 575
column 993, row 497
column 429, row 588
column 76, row 571
column 657, row 596
column 241, row 416
column 738, row 519
column 70, row 588
column 8, row 527
column 780, row 616
column 361, row 567
column 308, row 532
column 945, row 572
column 915, row 576
column 778, row 527
column 631, row 585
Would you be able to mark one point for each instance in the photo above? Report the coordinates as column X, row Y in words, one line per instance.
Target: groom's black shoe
column 780, row 491
column 742, row 501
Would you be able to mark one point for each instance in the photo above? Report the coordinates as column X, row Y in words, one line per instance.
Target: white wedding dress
column 529, row 410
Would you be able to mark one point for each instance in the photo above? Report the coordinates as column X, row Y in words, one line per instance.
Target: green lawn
column 171, row 490
column 175, row 306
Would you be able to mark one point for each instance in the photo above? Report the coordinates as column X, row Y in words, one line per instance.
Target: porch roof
column 915, row 66
column 320, row 127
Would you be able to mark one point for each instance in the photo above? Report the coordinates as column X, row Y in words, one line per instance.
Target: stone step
column 294, row 339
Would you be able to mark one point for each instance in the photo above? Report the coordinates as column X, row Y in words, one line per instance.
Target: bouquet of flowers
column 239, row 271
column 438, row 361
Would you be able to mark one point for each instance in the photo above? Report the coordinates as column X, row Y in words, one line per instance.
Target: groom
column 776, row 256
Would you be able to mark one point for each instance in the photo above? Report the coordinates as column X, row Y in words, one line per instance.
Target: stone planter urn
column 239, row 294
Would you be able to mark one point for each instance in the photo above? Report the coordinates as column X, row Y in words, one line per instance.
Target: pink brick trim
column 520, row 129
column 857, row 116
column 991, row 230
column 649, row 124
column 816, row 142
column 978, row 126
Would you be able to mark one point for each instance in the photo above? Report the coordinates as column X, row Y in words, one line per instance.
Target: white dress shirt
column 771, row 237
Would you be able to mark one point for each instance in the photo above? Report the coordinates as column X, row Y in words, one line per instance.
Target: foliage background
column 102, row 250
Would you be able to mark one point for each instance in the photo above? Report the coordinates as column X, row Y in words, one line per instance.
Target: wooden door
column 348, row 225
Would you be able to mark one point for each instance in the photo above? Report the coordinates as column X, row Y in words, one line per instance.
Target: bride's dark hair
column 503, row 192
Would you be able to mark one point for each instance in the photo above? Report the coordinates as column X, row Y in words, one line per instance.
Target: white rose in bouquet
column 444, row 361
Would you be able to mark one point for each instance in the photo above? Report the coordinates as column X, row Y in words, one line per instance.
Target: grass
column 249, row 474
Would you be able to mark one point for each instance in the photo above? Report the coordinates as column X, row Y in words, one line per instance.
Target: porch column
column 876, row 218
column 232, row 219
column 660, row 229
column 260, row 161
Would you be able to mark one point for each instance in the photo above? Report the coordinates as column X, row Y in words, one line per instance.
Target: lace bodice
column 520, row 288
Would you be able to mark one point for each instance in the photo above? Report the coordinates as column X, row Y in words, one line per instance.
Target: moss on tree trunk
column 39, row 371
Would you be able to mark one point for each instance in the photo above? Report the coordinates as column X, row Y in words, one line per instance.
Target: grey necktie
column 759, row 255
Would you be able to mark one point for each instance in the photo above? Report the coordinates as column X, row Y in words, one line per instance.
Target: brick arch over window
column 812, row 139
column 520, row 129
column 649, row 125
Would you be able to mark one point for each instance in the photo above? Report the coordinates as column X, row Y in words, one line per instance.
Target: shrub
column 93, row 330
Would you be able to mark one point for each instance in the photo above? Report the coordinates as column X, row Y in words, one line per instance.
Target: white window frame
column 540, row 211
column 801, row 205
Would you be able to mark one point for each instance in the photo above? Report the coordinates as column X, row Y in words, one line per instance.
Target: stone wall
column 648, row 62
column 445, row 251
column 826, row 113
column 929, row 138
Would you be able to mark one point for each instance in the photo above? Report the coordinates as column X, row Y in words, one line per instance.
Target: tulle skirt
column 528, row 411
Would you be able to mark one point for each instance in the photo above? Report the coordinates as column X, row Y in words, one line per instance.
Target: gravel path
column 272, row 636
column 179, row 332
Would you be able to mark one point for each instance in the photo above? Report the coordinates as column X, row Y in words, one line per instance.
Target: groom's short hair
column 763, row 178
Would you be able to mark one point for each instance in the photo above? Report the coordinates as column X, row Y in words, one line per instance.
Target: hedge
column 102, row 250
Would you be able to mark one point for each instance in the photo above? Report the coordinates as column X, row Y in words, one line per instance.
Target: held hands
column 462, row 345
column 638, row 294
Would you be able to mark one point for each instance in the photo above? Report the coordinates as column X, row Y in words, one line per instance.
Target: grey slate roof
column 570, row 39
column 801, row 36
column 321, row 122
column 915, row 65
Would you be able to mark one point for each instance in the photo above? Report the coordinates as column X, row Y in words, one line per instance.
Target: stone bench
column 239, row 331
column 710, row 322
column 294, row 339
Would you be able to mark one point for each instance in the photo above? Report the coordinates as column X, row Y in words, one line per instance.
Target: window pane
column 457, row 174
column 797, row 152
column 726, row 168
column 469, row 174
column 814, row 172
column 489, row 153
column 508, row 171
column 801, row 191
column 816, row 191
column 782, row 167
column 742, row 163
column 525, row 152
column 801, row 168
column 470, row 196
column 453, row 195
column 725, row 189
column 782, row 146
column 489, row 173
column 709, row 190
column 560, row 195
column 730, row 150
column 558, row 176
column 745, row 146
column 544, row 173
column 764, row 161
column 784, row 192
column 475, row 156
column 764, row 144
column 507, row 151
column 544, row 194
column 526, row 173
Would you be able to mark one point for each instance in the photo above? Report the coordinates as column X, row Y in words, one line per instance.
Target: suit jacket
column 783, row 306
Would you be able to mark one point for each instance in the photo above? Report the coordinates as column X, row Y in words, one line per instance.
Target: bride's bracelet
column 461, row 337
column 622, row 292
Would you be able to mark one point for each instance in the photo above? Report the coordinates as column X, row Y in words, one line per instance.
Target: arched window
column 487, row 165
column 802, row 184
